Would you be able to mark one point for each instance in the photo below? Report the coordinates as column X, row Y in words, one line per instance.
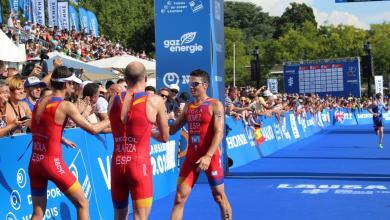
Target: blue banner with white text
column 93, row 24
column 74, row 18
column 90, row 162
column 84, row 20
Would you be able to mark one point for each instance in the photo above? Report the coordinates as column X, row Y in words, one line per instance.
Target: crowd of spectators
column 253, row 105
column 80, row 45
column 20, row 91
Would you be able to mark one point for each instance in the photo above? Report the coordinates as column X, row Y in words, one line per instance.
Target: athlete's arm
column 71, row 111
column 219, row 124
column 179, row 122
column 161, row 121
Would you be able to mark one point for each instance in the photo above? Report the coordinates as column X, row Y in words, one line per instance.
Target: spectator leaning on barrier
column 6, row 126
column 19, row 109
column 33, row 87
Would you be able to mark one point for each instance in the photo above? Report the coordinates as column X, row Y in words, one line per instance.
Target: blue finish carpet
column 338, row 173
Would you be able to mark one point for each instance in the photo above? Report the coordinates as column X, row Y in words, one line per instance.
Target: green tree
column 294, row 16
column 380, row 40
column 128, row 22
column 342, row 41
column 250, row 19
column 234, row 36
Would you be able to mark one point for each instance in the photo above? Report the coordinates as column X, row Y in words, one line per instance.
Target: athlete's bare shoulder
column 155, row 100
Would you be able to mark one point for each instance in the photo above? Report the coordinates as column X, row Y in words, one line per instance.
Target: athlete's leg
column 121, row 214
column 182, row 192
column 221, row 199
column 376, row 130
column 76, row 195
column 141, row 208
column 380, row 135
column 39, row 206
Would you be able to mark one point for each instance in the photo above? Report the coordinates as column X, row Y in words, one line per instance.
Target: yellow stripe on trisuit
column 136, row 102
column 143, row 203
column 74, row 187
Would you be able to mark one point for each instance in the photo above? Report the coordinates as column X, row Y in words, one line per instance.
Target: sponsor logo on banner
column 339, row 116
column 277, row 132
column 236, row 141
column 286, row 134
column 179, row 6
column 15, row 200
column 184, row 44
column 268, row 133
column 325, row 117
column 174, row 78
column 10, row 216
column 336, row 189
column 163, row 157
column 294, row 127
column 363, row 116
column 21, row 178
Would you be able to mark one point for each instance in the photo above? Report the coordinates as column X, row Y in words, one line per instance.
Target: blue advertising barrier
column 240, row 147
column 90, row 162
column 363, row 116
column 270, row 144
column 343, row 116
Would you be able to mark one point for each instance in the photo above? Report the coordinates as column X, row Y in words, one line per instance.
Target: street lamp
column 255, row 66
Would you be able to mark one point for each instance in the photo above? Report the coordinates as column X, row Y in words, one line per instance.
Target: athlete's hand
column 204, row 162
column 69, row 143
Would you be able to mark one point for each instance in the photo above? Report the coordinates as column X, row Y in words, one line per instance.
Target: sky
column 327, row 12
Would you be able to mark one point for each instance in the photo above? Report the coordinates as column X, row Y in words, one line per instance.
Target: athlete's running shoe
column 380, row 146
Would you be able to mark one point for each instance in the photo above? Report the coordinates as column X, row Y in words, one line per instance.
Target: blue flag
column 93, row 24
column 1, row 14
column 27, row 11
column 21, row 5
column 84, row 20
column 74, row 18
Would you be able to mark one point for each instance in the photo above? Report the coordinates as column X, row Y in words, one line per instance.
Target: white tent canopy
column 9, row 52
column 120, row 62
column 90, row 72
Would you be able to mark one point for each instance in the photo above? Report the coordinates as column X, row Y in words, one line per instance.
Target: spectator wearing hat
column 33, row 87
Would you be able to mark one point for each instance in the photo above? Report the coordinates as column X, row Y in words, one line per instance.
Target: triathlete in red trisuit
column 48, row 119
column 205, row 118
column 132, row 115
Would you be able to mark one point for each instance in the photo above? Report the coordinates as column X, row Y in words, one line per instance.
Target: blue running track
column 338, row 173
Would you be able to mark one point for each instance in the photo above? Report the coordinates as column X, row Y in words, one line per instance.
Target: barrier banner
column 240, row 147
column 90, row 162
column 386, row 116
column 74, row 18
column 344, row 117
column 301, row 122
column 363, row 116
column 325, row 116
column 52, row 12
column 310, row 124
column 270, row 144
column 283, row 137
column 293, row 126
